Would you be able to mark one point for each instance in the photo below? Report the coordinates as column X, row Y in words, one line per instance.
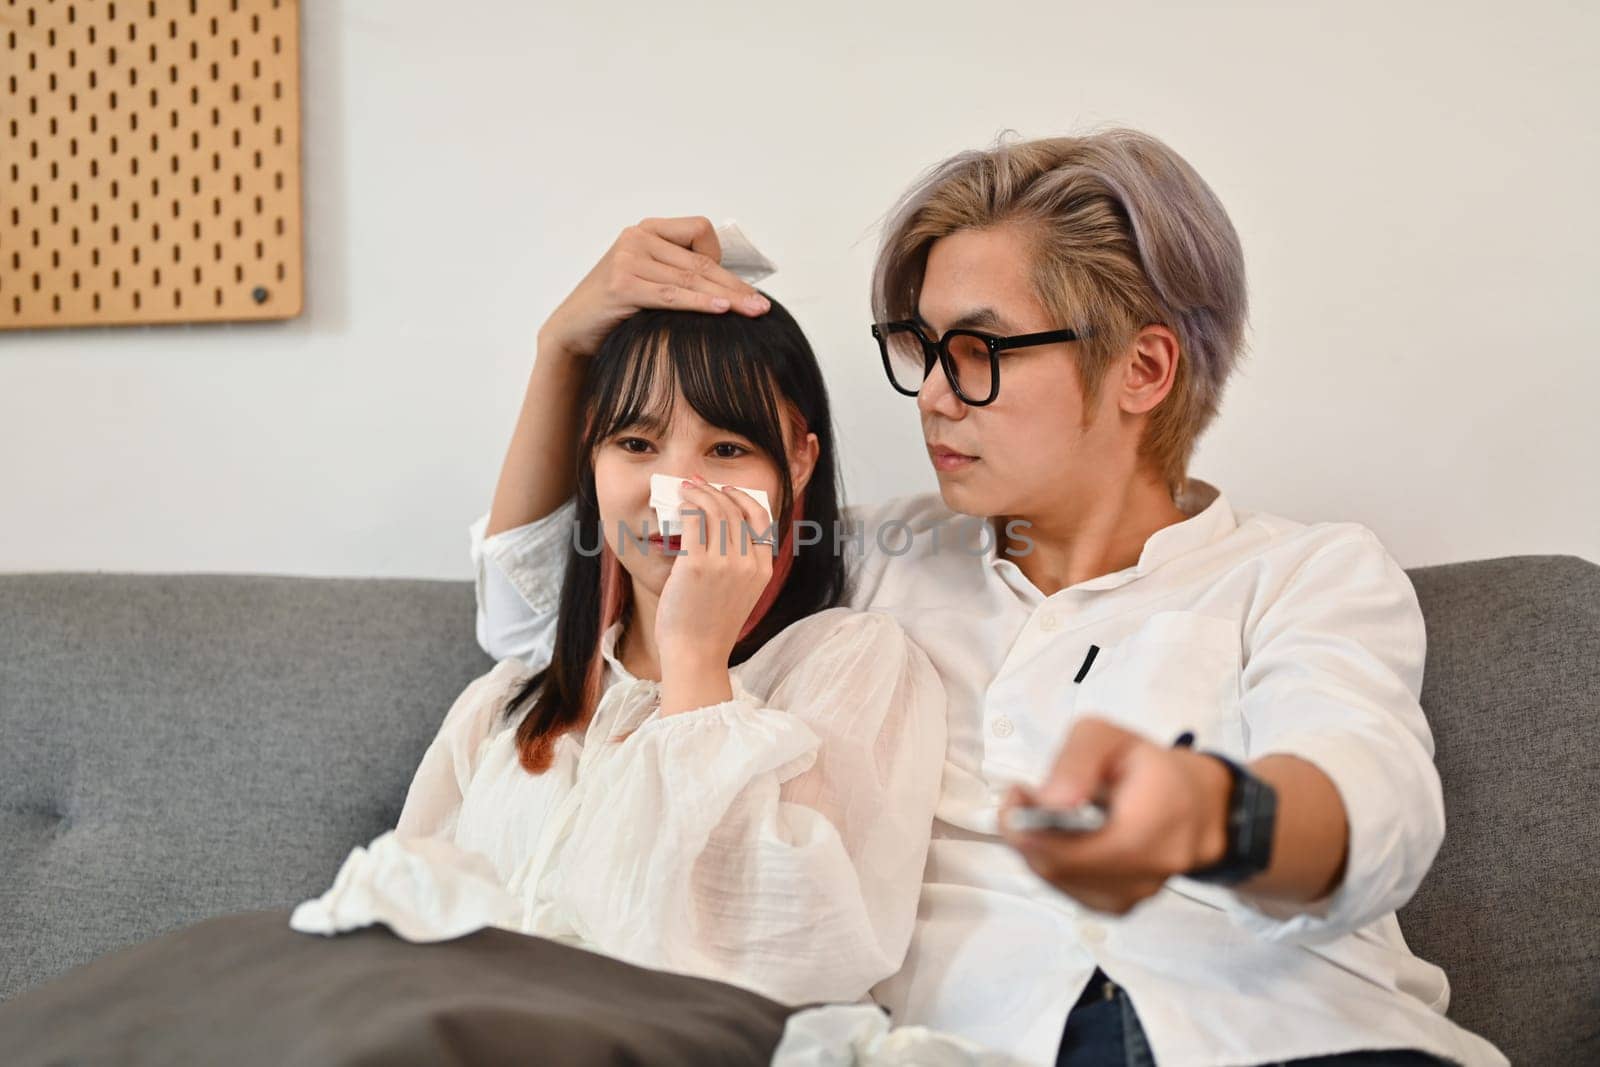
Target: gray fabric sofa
column 174, row 747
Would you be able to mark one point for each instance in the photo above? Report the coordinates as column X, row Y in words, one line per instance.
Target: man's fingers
column 1096, row 854
column 1088, row 867
column 702, row 271
column 656, row 286
column 1018, row 796
column 655, row 279
column 694, row 232
column 1085, row 763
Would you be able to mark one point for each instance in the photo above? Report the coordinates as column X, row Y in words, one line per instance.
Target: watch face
column 1252, row 808
column 1258, row 805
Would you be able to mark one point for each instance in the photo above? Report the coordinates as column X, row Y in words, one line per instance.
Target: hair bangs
column 723, row 369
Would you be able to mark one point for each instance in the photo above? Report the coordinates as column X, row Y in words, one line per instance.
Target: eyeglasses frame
column 940, row 350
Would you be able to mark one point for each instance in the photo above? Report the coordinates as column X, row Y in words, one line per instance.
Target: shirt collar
column 1210, row 519
column 608, row 649
column 608, row 652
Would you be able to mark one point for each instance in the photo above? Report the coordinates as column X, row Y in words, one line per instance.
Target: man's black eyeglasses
column 970, row 358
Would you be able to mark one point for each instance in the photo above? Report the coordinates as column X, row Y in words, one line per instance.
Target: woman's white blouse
column 774, row 841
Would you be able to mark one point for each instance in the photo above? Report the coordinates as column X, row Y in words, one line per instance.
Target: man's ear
column 1151, row 370
column 803, row 462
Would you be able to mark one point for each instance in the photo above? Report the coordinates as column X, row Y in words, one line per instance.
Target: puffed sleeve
column 517, row 576
column 423, row 888
column 415, row 878
column 1333, row 675
column 773, row 843
column 433, row 801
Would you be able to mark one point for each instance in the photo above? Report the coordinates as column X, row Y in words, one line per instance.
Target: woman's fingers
column 756, row 516
column 713, row 514
column 709, row 595
column 727, row 512
column 696, row 515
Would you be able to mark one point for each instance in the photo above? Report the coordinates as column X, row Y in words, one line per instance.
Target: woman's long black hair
column 745, row 375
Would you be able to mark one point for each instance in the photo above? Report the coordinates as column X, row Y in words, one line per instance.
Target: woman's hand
column 660, row 263
column 709, row 594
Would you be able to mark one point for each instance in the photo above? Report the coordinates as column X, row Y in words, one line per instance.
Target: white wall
column 1414, row 189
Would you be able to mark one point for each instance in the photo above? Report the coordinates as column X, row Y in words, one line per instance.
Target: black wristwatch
column 1252, row 810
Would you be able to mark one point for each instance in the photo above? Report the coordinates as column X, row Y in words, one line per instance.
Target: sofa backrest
column 1511, row 907
column 178, row 747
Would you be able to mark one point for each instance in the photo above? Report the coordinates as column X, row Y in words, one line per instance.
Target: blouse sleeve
column 415, row 878
column 775, row 844
column 433, row 802
column 517, row 576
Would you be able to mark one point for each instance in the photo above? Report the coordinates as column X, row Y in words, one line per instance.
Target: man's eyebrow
column 983, row 318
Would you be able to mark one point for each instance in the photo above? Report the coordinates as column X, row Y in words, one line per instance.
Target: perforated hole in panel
column 149, row 161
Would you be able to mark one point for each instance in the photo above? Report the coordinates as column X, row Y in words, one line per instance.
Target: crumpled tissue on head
column 740, row 257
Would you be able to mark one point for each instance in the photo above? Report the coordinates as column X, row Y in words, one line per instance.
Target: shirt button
column 1001, row 727
column 1091, row 933
column 1049, row 622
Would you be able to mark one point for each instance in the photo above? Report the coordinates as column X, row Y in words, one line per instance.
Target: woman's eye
column 738, row 450
column 627, row 444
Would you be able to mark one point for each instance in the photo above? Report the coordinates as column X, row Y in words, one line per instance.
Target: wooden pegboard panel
column 149, row 161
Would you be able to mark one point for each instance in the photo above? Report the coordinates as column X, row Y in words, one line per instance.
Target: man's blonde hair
column 1123, row 233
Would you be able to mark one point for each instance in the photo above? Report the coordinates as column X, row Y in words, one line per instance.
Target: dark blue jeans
column 1103, row 1030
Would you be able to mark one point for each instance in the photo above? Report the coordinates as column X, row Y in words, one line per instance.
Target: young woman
column 704, row 765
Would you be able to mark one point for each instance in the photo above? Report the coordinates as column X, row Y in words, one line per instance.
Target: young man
column 1237, row 690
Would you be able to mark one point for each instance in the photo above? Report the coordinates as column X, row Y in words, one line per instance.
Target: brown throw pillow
column 245, row 989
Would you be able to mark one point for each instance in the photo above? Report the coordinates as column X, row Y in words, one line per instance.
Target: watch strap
column 1251, row 816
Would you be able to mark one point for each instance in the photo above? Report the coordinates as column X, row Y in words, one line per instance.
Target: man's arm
column 1169, row 815
column 538, row 474
column 1331, row 718
column 1310, row 837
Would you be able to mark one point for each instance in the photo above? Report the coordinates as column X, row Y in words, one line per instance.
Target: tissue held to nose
column 666, row 499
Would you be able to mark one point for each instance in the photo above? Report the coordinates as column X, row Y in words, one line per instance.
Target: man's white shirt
column 1257, row 633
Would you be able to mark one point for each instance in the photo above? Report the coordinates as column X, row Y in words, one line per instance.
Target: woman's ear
column 802, row 462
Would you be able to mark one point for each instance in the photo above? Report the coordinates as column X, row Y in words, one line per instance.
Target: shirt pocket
column 1175, row 671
